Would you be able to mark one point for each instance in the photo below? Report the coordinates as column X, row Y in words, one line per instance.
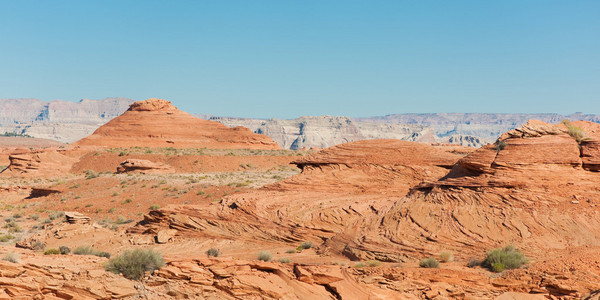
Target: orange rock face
column 157, row 123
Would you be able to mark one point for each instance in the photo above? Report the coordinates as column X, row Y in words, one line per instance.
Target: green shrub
column 446, row 256
column 359, row 265
column 265, row 256
column 473, row 263
column 154, row 207
column 51, row 251
column 38, row 245
column 291, row 251
column 89, row 174
column 11, row 256
column 575, row 132
column 55, row 215
column 34, row 217
column 373, row 263
column 212, row 252
column 429, row 263
column 88, row 250
column 64, row 250
column 6, row 237
column 307, row 245
column 284, row 260
column 134, row 263
column 500, row 259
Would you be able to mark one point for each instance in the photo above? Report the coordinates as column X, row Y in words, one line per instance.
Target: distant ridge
column 70, row 121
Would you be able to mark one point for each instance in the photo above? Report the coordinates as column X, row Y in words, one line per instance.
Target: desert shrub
column 134, row 263
column 429, row 263
column 575, row 132
column 56, row 214
column 265, row 256
column 122, row 220
column 89, row 174
column 373, row 263
column 102, row 254
column 446, row 256
column 359, row 265
column 154, row 207
column 497, row 260
column 38, row 245
column 88, row 250
column 64, row 250
column 307, row 245
column 34, row 217
column 290, row 251
column 284, row 260
column 51, row 251
column 12, row 226
column 6, row 237
column 212, row 252
column 11, row 256
column 84, row 250
column 499, row 145
column 473, row 263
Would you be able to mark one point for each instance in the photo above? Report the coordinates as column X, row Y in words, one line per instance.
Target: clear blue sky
column 290, row 58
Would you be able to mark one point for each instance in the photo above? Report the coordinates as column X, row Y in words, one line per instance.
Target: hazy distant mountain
column 58, row 120
column 70, row 121
column 486, row 126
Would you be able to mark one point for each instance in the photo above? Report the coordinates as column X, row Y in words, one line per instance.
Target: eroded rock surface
column 157, row 123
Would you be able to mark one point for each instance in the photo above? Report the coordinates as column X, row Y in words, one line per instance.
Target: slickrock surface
column 157, row 123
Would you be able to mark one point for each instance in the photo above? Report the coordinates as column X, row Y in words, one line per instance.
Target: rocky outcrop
column 144, row 166
column 73, row 217
column 39, row 163
column 157, row 123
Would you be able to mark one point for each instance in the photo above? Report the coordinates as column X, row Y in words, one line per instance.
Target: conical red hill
column 158, row 123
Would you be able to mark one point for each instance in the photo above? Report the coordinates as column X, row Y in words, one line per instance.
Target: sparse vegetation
column 575, row 132
column 359, row 265
column 64, row 250
column 154, row 207
column 473, row 263
column 373, row 263
column 498, row 260
column 11, row 256
column 38, row 246
column 88, row 250
column 429, row 263
column 291, row 251
column 284, row 260
column 51, row 251
column 55, row 215
column 6, row 237
column 265, row 256
column 134, row 263
column 212, row 252
column 307, row 245
column 446, row 256
column 89, row 174
column 499, row 145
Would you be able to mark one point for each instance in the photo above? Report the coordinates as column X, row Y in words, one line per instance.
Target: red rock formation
column 157, row 123
column 144, row 166
column 39, row 163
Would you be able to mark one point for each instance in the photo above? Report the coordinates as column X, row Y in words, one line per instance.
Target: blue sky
column 286, row 59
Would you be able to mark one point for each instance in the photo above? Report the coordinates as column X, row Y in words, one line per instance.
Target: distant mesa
column 158, row 123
